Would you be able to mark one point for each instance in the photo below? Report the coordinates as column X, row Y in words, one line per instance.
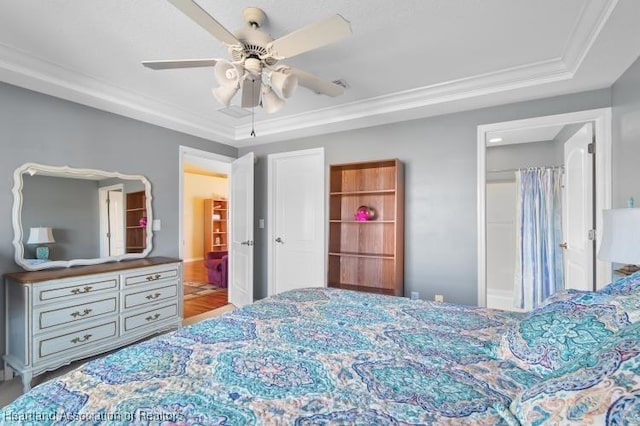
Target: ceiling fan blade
column 251, row 92
column 313, row 36
column 179, row 63
column 317, row 84
column 206, row 21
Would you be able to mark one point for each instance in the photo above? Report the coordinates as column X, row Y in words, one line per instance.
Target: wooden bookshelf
column 136, row 234
column 216, row 215
column 367, row 255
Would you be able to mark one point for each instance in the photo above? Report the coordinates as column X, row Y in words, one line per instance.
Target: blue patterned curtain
column 539, row 267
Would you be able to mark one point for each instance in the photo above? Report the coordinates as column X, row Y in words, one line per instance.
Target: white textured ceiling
column 406, row 59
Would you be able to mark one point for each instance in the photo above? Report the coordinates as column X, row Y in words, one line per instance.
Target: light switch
column 261, row 223
column 156, row 225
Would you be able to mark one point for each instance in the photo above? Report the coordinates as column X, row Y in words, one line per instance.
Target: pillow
column 552, row 336
column 564, row 295
column 623, row 286
column 601, row 388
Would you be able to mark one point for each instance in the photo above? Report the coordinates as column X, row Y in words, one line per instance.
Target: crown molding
column 588, row 26
column 514, row 78
column 24, row 70
column 21, row 69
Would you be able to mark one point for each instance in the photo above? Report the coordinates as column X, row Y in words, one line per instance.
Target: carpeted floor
column 198, row 289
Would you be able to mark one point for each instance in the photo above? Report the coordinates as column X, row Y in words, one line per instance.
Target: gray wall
column 521, row 155
column 70, row 208
column 439, row 154
column 42, row 129
column 625, row 100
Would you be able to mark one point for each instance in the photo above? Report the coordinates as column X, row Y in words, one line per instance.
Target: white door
column 116, row 223
column 577, row 217
column 111, row 211
column 241, row 231
column 296, row 220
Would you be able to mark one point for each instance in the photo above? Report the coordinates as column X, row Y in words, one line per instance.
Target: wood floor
column 196, row 272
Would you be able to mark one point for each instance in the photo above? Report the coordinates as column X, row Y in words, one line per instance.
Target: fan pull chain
column 253, row 114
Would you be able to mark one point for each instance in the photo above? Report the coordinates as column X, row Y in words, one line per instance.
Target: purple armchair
column 217, row 266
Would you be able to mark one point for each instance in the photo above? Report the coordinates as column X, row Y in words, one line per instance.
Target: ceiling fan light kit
column 270, row 101
column 253, row 56
column 224, row 94
column 282, row 82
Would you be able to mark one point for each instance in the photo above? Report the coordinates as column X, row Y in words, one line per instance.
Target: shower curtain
column 539, row 263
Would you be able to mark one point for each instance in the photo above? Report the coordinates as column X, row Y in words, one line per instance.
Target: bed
column 327, row 356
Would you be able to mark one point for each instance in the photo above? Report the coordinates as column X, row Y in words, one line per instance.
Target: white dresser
column 57, row 316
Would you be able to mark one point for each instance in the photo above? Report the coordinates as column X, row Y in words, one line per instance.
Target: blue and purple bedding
column 313, row 357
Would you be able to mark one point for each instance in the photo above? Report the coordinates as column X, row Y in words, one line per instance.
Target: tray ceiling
column 405, row 60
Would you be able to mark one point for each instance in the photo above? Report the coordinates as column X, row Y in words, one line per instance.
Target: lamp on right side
column 621, row 238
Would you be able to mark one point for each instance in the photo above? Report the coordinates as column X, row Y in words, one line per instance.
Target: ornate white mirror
column 64, row 216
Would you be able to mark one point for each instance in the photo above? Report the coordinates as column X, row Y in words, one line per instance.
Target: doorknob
column 563, row 245
column 247, row 243
column 279, row 240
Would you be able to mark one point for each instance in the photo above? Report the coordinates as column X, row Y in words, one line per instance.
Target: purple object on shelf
column 364, row 213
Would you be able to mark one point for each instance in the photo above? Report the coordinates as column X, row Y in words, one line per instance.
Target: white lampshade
column 620, row 236
column 224, row 94
column 42, row 235
column 227, row 74
column 284, row 84
column 270, row 101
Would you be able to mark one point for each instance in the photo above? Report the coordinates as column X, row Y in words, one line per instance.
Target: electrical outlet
column 439, row 298
column 415, row 295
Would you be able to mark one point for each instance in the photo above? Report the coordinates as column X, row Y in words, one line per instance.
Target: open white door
column 241, row 231
column 111, row 211
column 577, row 215
column 116, row 223
column 296, row 220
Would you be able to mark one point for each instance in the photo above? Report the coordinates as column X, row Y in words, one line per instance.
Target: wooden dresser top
column 78, row 271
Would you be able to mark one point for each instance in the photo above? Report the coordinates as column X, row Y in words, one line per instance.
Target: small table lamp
column 42, row 235
column 621, row 238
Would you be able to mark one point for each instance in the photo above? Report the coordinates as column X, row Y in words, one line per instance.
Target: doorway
column 204, row 214
column 497, row 193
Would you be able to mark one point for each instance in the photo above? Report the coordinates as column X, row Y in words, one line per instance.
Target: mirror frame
column 18, row 232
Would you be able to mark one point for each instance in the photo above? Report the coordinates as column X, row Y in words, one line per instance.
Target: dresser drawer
column 149, row 317
column 149, row 295
column 69, row 290
column 150, row 275
column 49, row 316
column 49, row 346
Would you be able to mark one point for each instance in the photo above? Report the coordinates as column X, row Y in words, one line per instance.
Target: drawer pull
column 87, row 289
column 79, row 314
column 154, row 296
column 152, row 318
column 153, row 277
column 79, row 340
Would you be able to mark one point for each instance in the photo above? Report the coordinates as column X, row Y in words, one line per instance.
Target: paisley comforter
column 307, row 357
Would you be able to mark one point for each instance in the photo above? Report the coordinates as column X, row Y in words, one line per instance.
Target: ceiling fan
column 255, row 55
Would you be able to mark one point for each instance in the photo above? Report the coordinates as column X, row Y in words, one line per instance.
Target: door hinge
column 591, row 148
column 592, row 234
